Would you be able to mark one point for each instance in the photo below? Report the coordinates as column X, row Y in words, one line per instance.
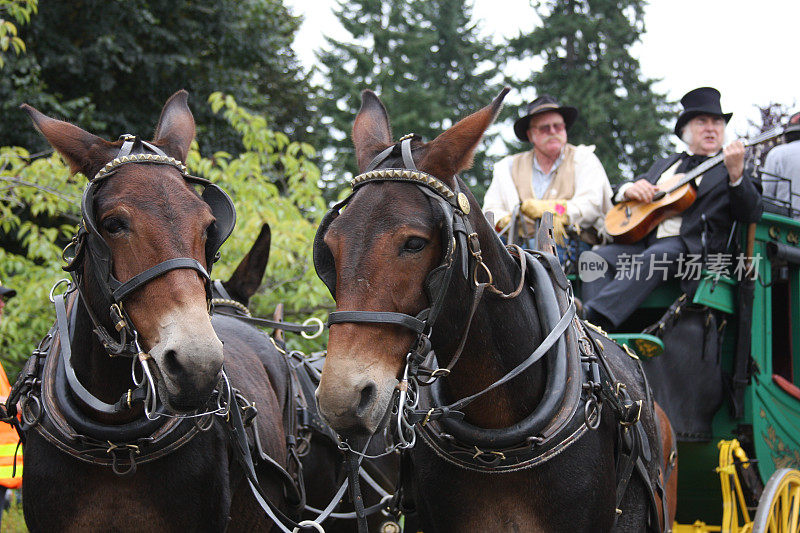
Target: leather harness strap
column 125, row 402
column 378, row 317
column 159, row 270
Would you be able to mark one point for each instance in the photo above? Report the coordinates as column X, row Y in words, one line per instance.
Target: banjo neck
column 717, row 159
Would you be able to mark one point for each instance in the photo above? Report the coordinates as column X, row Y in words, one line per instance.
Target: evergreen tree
column 426, row 61
column 107, row 65
column 585, row 46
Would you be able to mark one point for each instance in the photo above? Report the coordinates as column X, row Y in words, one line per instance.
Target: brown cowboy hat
column 543, row 104
column 701, row 101
column 6, row 292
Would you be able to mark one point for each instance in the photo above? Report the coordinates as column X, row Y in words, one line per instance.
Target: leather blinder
column 323, row 258
column 89, row 238
column 225, row 214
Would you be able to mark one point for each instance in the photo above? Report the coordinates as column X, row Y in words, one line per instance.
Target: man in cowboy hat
column 781, row 172
column 724, row 194
column 552, row 176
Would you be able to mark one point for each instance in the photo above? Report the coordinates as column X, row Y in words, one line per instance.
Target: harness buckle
column 591, row 412
column 440, row 372
column 70, row 288
column 627, row 423
column 480, row 263
column 474, row 245
column 118, row 317
column 73, row 244
column 133, row 451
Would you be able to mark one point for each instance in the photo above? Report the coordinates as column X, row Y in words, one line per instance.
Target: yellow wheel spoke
column 779, row 508
column 772, row 526
column 793, row 516
column 783, row 504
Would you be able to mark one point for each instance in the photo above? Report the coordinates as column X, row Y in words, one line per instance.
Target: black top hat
column 702, row 101
column 6, row 292
column 543, row 104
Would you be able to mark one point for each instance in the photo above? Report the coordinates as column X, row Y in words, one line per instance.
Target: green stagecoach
column 746, row 477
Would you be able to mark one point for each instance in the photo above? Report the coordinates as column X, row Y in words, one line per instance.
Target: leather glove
column 533, row 208
column 502, row 223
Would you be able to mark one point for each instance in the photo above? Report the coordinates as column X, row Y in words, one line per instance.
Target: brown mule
column 412, row 243
column 147, row 242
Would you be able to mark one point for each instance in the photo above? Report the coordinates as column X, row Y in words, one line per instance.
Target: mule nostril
column 171, row 363
column 367, row 398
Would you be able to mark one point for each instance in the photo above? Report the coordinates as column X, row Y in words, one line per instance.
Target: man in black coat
column 724, row 195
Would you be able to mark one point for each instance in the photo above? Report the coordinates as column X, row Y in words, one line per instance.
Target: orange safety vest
column 8, row 443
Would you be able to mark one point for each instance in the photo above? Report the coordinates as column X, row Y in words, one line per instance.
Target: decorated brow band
column 413, row 176
column 140, row 158
column 402, row 174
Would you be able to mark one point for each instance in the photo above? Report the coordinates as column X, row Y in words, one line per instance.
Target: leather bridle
column 88, row 239
column 89, row 244
column 462, row 249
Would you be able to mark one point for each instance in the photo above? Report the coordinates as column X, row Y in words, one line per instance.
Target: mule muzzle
column 188, row 367
column 355, row 407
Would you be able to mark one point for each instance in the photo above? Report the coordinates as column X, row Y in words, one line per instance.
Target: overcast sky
column 747, row 50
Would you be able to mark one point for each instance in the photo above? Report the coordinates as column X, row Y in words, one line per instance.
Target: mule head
column 146, row 214
column 383, row 247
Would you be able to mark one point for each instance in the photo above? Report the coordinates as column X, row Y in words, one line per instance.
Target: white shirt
column 588, row 205
column 541, row 179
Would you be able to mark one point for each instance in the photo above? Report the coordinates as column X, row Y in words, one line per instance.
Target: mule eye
column 114, row 225
column 414, row 244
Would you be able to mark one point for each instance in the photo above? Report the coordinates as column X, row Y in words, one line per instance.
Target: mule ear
column 246, row 279
column 83, row 151
column 175, row 130
column 452, row 151
column 371, row 130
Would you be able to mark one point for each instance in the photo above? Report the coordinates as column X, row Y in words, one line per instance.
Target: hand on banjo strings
column 734, row 160
column 642, row 191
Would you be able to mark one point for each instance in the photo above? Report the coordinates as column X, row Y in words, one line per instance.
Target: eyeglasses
column 544, row 129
